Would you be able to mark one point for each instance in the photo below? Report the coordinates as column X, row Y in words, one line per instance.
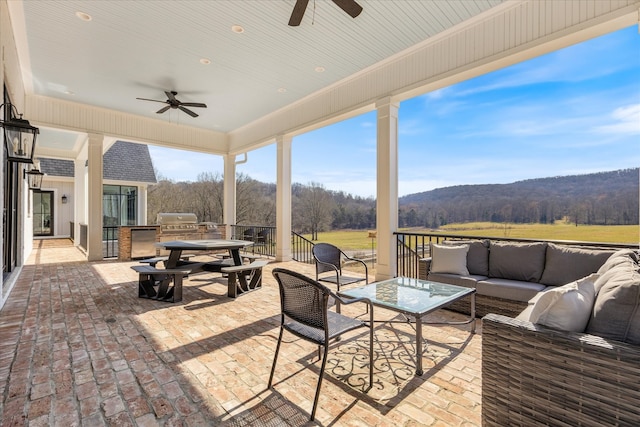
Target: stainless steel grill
column 184, row 226
column 177, row 222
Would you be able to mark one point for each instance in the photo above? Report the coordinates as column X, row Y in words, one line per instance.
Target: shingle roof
column 124, row 161
column 56, row 167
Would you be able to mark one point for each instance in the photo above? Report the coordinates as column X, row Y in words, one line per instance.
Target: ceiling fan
column 352, row 8
column 174, row 103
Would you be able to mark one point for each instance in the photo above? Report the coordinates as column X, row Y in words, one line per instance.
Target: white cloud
column 625, row 120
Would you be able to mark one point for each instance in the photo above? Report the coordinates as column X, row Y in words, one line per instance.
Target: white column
column 94, row 198
column 387, row 188
column 79, row 197
column 229, row 183
column 283, row 198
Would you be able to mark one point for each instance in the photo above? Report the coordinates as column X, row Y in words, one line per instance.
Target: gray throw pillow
column 616, row 311
column 477, row 257
column 565, row 264
column 517, row 261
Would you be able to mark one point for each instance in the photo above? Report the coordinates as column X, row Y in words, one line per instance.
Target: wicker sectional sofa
column 506, row 274
column 534, row 374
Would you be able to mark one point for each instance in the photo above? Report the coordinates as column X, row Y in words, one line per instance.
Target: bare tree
column 315, row 207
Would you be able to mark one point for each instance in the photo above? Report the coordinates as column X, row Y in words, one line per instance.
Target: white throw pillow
column 449, row 259
column 566, row 307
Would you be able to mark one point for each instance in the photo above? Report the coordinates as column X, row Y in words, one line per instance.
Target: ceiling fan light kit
column 174, row 103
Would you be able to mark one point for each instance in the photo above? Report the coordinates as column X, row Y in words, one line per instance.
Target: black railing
column 262, row 236
column 110, row 241
column 301, row 248
column 412, row 247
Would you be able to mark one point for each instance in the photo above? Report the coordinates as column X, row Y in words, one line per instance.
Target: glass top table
column 415, row 298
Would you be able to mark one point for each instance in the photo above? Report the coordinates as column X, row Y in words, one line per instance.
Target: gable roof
column 123, row 161
column 126, row 161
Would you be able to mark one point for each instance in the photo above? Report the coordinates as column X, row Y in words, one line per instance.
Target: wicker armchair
column 533, row 375
column 329, row 259
column 305, row 313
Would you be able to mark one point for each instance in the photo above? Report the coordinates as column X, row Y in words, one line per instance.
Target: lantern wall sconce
column 19, row 136
column 34, row 178
column 64, row 198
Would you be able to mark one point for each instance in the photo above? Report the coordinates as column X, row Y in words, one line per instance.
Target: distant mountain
column 598, row 198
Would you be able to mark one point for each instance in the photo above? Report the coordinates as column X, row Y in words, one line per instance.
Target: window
column 119, row 205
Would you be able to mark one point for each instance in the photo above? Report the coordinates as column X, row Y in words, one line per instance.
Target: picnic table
column 156, row 282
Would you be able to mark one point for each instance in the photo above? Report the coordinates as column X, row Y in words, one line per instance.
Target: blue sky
column 574, row 111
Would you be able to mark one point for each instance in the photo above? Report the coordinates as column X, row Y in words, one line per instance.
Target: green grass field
column 358, row 239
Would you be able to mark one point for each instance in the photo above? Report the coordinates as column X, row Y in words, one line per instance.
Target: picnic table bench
column 244, row 278
column 163, row 284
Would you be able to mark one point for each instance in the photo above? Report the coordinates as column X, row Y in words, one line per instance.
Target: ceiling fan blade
column 193, row 104
column 163, row 109
column 352, row 8
column 152, row 100
column 189, row 112
column 298, row 12
column 171, row 96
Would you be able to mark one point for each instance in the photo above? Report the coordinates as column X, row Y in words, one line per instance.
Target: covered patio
column 79, row 348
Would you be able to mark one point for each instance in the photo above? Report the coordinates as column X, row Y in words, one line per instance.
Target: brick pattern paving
column 78, row 348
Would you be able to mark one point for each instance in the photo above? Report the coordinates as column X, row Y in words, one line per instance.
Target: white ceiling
column 135, row 49
column 142, row 48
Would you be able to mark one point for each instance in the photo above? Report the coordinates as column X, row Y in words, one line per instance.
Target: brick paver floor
column 78, row 348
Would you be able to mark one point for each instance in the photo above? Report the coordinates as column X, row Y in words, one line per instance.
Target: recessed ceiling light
column 205, row 61
column 237, row 29
column 282, row 89
column 319, row 69
column 84, row 16
column 69, row 92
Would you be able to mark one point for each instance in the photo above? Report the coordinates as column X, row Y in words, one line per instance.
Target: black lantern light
column 19, row 137
column 64, row 198
column 34, row 178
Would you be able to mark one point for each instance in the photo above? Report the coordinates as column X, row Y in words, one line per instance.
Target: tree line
column 607, row 198
column 604, row 198
column 314, row 208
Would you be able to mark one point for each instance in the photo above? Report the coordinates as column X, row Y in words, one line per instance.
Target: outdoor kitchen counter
column 177, row 246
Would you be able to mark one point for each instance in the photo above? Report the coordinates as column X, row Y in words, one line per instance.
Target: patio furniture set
column 561, row 325
column 306, row 303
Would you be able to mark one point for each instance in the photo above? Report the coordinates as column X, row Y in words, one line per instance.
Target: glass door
column 42, row 213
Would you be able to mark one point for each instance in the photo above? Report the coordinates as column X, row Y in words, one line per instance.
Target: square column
column 94, row 197
column 283, row 198
column 387, row 188
column 229, row 193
